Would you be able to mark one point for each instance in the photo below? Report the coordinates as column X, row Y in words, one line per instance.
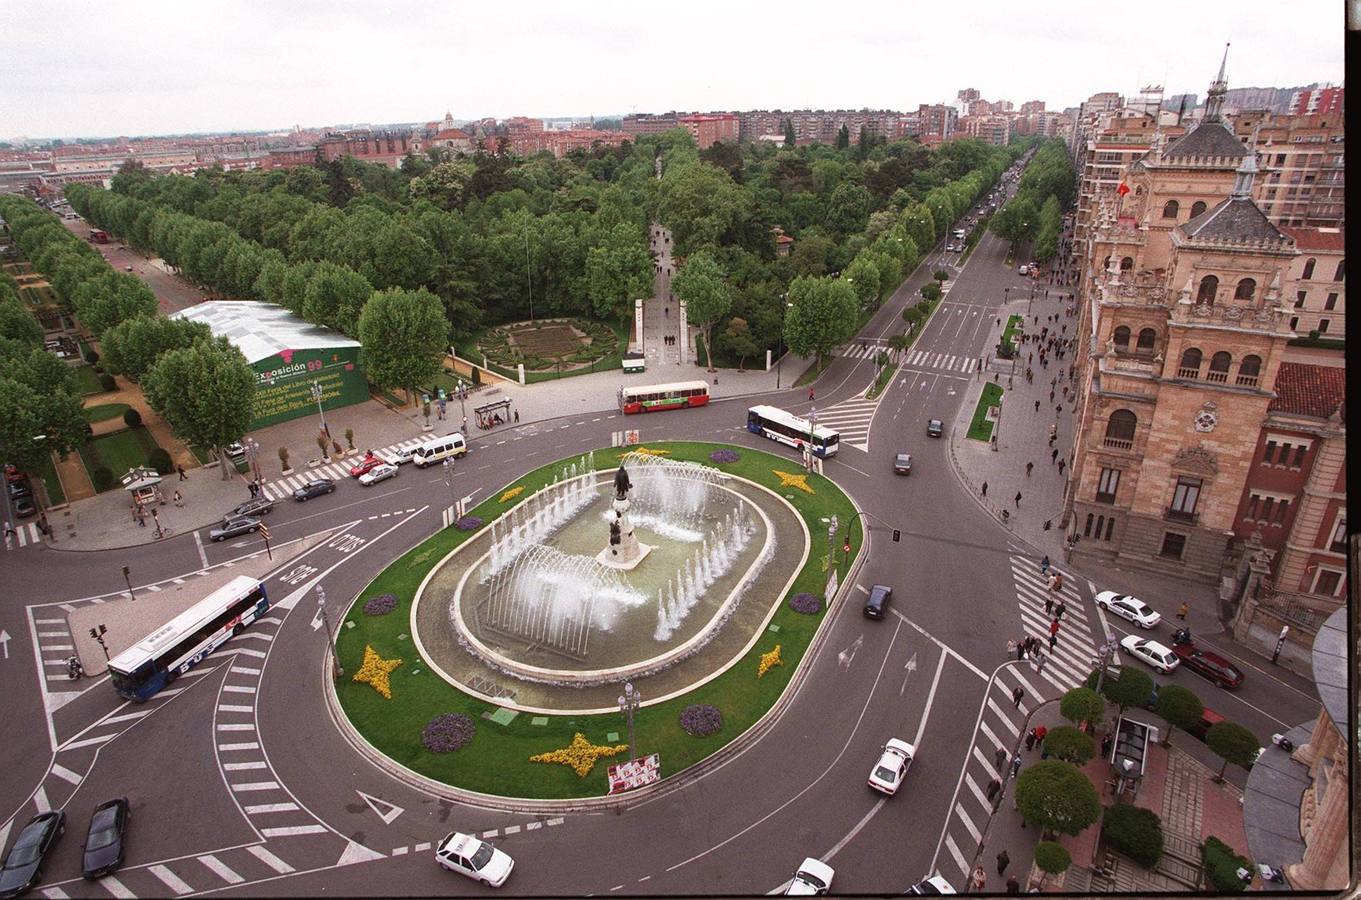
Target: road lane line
column 89, row 742
column 251, row 745
column 292, row 830
column 127, row 717
column 66, row 774
column 170, row 879
column 865, row 820
column 263, row 808
column 255, row 786
column 202, row 554
column 269, row 859
column 116, row 887
column 219, row 868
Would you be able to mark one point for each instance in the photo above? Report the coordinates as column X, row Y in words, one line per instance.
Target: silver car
column 234, row 527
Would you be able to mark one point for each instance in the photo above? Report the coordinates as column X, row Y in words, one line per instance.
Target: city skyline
column 75, row 76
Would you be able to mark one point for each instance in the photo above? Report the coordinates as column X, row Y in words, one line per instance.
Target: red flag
column 1123, row 189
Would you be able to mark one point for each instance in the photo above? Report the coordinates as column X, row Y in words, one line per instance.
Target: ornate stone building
column 1181, row 332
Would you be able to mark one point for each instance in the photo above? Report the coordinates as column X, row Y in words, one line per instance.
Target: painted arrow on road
column 847, row 656
column 910, row 667
column 4, row 642
column 386, row 811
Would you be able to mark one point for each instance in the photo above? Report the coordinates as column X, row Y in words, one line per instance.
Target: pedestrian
column 179, row 467
column 999, row 759
column 1056, row 583
column 1022, row 649
column 1015, row 765
column 1044, row 565
column 517, row 412
column 1062, row 463
column 978, row 880
column 1059, row 610
column 10, row 532
column 1016, row 696
column 1013, row 886
column 994, row 788
column 1040, row 732
column 254, row 490
column 1003, row 860
column 1054, row 627
column 1048, row 605
column 1183, row 610
column 179, row 499
column 1106, row 746
column 1039, row 661
column 810, row 395
column 1054, row 454
column 985, row 489
column 1053, row 639
column 1018, row 499
column 1030, row 740
column 1037, row 404
column 1028, row 467
column 1051, row 400
column 140, row 516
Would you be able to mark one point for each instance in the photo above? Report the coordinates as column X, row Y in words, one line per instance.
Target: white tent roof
column 262, row 330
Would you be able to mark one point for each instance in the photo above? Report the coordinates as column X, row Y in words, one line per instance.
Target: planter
column 314, row 463
column 284, row 473
column 427, row 427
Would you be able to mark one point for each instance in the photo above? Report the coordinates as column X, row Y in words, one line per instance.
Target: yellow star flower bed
column 375, row 671
column 799, row 481
column 644, row 451
column 581, row 754
column 512, row 493
column 769, row 661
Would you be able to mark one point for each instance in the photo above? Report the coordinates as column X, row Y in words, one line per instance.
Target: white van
column 959, row 234
column 436, row 449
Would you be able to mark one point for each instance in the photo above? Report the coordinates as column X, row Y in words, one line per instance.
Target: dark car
column 880, row 597
column 19, row 488
column 23, row 866
column 104, row 842
column 902, row 464
column 256, row 507
column 314, row 489
column 24, row 506
column 233, row 527
column 1209, row 665
column 934, row 427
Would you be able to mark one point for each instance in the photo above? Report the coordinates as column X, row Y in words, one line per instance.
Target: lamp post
column 784, row 305
column 812, row 427
column 449, row 480
column 832, row 528
column 337, row 670
column 462, row 398
column 98, row 633
column 127, row 577
column 316, row 395
column 629, row 701
column 1107, row 649
column 252, row 447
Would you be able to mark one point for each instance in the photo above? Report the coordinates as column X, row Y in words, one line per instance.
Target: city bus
column 787, row 428
column 177, row 646
column 653, row 397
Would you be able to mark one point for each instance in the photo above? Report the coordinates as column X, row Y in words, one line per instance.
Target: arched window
column 1197, row 208
column 1248, row 370
column 1147, row 338
column 1245, row 290
column 1120, row 430
column 1170, row 209
column 1209, row 286
column 1126, row 264
column 1121, row 338
column 1309, row 268
column 1190, row 363
column 1105, row 266
column 1341, row 265
column 1110, row 528
column 1219, row 367
column 1087, row 531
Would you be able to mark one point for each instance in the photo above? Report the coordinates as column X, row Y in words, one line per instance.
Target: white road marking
column 954, row 851
column 202, row 554
column 252, row 745
column 116, row 887
column 170, row 879
column 968, row 823
column 243, row 766
column 241, row 727
column 255, row 786
column 219, row 868
column 66, row 774
column 230, row 707
column 292, row 830
column 89, row 742
column 263, row 808
column 269, row 859
column 400, row 851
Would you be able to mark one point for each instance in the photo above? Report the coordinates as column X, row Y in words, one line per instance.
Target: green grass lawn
column 120, row 451
column 55, row 495
column 980, row 429
column 87, row 382
column 105, row 411
column 1009, row 333
column 885, row 376
column 497, row 760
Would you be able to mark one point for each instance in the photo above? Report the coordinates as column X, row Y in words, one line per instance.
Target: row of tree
column 1035, row 213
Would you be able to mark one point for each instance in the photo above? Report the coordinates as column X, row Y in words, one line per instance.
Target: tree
column 789, row 136
column 941, row 276
column 1233, row 743
column 131, row 347
column 1082, row 704
column 898, row 343
column 105, row 301
column 930, row 292
column 1135, row 832
column 27, row 413
column 848, row 209
column 1132, row 688
column 335, row 296
column 404, row 334
column 738, row 340
column 445, row 184
column 822, row 315
column 1052, row 859
column 1057, row 796
column 843, row 138
column 700, row 283
column 1180, row 707
column 205, row 392
column 618, row 271
column 864, row 278
column 1070, row 745
column 17, row 324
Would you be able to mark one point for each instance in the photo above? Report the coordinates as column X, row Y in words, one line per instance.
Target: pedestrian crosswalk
column 919, row 359
column 282, row 488
column 25, row 535
column 851, row 419
column 1072, row 656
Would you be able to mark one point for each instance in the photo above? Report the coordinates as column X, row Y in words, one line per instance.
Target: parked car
column 813, row 879
column 381, row 472
column 314, row 489
column 1128, row 608
column 902, row 464
column 19, row 488
column 398, row 456
column 934, row 428
column 230, row 528
column 14, row 473
column 23, row 865
column 1207, row 664
column 480, row 861
column 1150, row 652
column 104, row 841
column 881, row 595
column 1023, row 270
column 888, row 773
column 934, row 886
column 24, row 506
column 365, row 465
column 257, row 506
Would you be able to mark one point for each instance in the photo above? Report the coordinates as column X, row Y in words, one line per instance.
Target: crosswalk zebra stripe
column 1011, row 726
column 968, row 823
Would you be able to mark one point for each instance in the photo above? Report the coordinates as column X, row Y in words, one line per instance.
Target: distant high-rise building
column 1303, row 178
column 1319, row 99
column 968, row 95
column 647, row 123
column 936, row 122
column 708, row 129
column 1032, row 106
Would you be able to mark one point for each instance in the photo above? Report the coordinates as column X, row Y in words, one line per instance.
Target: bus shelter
column 489, row 415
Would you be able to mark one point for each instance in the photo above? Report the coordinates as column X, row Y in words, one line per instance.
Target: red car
column 365, row 465
column 1209, row 665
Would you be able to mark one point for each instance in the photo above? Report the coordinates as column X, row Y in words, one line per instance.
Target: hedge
column 1135, row 832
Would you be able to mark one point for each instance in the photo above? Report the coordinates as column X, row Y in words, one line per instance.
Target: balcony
column 1246, row 381
column 1188, row 372
column 1217, row 377
column 1115, row 443
column 1181, row 515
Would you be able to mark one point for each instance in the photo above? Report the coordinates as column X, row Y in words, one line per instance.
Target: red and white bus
column 654, row 397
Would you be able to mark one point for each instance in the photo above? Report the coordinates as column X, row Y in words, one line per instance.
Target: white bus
column 787, row 428
column 177, row 646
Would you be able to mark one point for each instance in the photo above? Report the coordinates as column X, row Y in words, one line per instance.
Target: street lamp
column 336, row 670
column 252, row 447
column 812, row 427
column 784, row 305
column 127, row 577
column 1106, row 651
column 831, row 542
column 449, row 480
column 629, row 701
column 316, row 395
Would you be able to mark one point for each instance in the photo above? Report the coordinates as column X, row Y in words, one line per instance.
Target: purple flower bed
column 468, row 523
column 380, row 605
column 725, row 456
column 701, row 719
column 805, row 603
column 448, row 732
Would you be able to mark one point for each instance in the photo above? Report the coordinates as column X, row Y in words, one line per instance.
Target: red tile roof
column 1332, row 239
column 1310, row 390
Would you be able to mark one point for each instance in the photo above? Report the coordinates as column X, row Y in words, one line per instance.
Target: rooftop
column 1323, row 239
column 1206, row 139
column 262, row 330
column 1309, row 390
column 1234, row 219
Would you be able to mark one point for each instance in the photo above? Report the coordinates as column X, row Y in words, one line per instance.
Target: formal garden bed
column 549, row 348
column 376, row 645
column 109, row 456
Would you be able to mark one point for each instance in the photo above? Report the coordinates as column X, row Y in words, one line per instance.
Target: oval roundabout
column 486, row 663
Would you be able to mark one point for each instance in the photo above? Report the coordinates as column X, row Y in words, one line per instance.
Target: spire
column 1214, row 102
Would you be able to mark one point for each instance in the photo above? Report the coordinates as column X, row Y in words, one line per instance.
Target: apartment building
column 1303, row 166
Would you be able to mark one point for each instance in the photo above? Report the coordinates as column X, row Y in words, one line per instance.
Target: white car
column 480, row 861
column 1023, row 270
column 1151, row 652
column 1129, row 608
column 933, row 886
column 398, row 456
column 813, row 878
column 378, row 473
column 892, row 766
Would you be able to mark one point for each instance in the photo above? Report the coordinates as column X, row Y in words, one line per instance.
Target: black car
column 902, row 464
column 23, row 866
column 19, row 488
column 877, row 604
column 104, row 843
column 934, row 427
column 314, row 489
column 256, row 507
column 24, row 506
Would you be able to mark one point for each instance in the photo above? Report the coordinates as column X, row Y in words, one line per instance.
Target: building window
column 1338, row 542
column 1170, row 209
column 1245, row 289
column 1300, row 297
column 1327, row 582
column 1190, row 363
column 1108, row 484
column 1249, row 370
column 1298, row 461
column 1087, row 529
column 1294, row 323
column 1121, row 338
column 1209, row 286
column 1197, row 208
column 1269, row 454
column 1147, row 338
column 1126, row 263
column 1331, row 302
column 1184, row 498
column 1323, row 326
column 1254, row 504
column 1120, row 430
column 1174, row 545
column 1219, row 367
column 1341, row 264
column 1308, row 268
column 1110, row 528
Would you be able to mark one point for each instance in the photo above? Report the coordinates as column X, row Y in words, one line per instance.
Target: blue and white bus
column 177, row 646
column 787, row 428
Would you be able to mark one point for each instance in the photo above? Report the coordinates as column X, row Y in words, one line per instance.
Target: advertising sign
column 283, row 384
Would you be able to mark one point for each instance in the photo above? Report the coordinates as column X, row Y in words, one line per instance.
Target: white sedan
column 480, row 861
column 1129, row 608
column 889, row 771
column 814, row 878
column 1155, row 654
column 377, row 474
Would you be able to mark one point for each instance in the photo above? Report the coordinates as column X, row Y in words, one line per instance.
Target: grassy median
column 980, row 428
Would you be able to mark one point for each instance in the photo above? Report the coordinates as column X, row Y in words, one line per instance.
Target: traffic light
column 896, row 535
column 264, row 531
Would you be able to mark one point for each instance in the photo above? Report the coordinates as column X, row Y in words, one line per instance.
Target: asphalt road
column 240, row 783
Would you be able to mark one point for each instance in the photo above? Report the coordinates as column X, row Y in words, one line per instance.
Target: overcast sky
column 72, row 68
